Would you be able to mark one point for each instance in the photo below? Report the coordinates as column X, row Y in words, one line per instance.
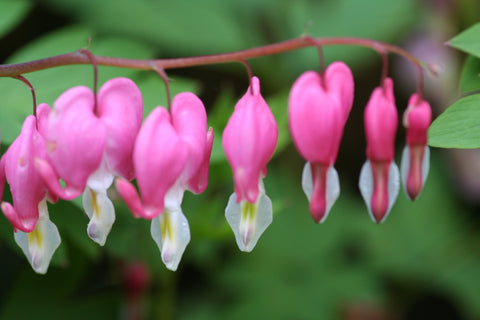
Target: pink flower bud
column 249, row 140
column 379, row 177
column 27, row 187
column 381, row 121
column 319, row 106
column 415, row 158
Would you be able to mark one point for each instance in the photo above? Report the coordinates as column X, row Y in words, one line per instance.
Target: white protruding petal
column 425, row 164
column 366, row 186
column 405, row 166
column 307, row 180
column 102, row 178
column 40, row 244
column 171, row 232
column 249, row 220
column 101, row 212
column 332, row 185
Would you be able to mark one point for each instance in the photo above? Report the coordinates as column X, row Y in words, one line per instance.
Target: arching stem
column 249, row 72
column 24, row 80
column 93, row 61
column 79, row 57
column 161, row 72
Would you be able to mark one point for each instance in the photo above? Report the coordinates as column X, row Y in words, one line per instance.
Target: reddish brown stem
column 164, row 77
column 77, row 57
column 24, row 80
column 249, row 72
column 93, row 61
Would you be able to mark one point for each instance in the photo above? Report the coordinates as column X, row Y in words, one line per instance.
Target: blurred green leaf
column 12, row 12
column 153, row 89
column 374, row 19
column 49, row 84
column 209, row 26
column 468, row 41
column 32, row 294
column 470, row 78
column 458, row 126
column 278, row 105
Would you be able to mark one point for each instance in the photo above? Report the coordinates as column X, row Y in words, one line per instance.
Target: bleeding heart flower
column 249, row 140
column 416, row 154
column 75, row 140
column 120, row 110
column 34, row 232
column 379, row 177
column 171, row 155
column 318, row 109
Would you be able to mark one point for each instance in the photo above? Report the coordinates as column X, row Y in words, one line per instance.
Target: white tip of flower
column 102, row 178
column 171, row 233
column 249, row 220
column 101, row 212
column 366, row 187
column 332, row 187
column 405, row 166
column 40, row 244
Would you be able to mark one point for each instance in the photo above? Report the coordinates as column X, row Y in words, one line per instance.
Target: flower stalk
column 79, row 57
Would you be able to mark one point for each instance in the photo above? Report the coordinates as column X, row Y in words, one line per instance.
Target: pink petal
column 198, row 183
column 381, row 121
column 316, row 119
column 249, row 140
column 159, row 157
column 339, row 84
column 190, row 121
column 75, row 137
column 418, row 116
column 120, row 108
column 26, row 185
column 129, row 194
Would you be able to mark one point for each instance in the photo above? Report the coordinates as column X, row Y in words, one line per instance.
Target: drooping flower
column 75, row 140
column 34, row 232
column 87, row 147
column 171, row 155
column 318, row 109
column 249, row 140
column 379, row 178
column 120, row 110
column 416, row 154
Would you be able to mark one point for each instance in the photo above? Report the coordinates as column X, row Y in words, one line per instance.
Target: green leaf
column 458, row 126
column 468, row 41
column 470, row 78
column 12, row 12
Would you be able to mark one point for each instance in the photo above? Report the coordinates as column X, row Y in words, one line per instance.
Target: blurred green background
column 422, row 263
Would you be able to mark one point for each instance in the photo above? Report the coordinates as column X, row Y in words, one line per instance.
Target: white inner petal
column 366, row 187
column 40, row 244
column 101, row 212
column 332, row 187
column 249, row 220
column 171, row 233
column 102, row 178
column 425, row 164
column 405, row 165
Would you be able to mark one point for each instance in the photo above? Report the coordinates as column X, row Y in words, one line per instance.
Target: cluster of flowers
column 89, row 141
